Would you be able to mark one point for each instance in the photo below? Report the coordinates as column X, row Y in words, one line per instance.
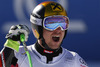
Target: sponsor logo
column 82, row 61
column 82, row 66
column 46, row 51
column 56, row 7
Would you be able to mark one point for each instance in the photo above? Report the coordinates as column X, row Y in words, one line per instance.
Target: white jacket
column 66, row 59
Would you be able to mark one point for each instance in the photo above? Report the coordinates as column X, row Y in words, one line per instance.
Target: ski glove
column 13, row 37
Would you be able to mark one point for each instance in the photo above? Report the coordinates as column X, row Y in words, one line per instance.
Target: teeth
column 56, row 36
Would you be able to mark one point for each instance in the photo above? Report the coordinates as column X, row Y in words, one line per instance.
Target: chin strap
column 46, row 46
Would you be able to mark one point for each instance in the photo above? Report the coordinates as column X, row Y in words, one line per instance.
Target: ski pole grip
column 22, row 37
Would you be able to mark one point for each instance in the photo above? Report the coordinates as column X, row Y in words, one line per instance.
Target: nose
column 58, row 29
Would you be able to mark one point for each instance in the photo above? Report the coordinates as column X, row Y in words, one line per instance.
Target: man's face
column 53, row 38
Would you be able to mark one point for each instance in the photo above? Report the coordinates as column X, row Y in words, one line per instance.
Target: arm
column 7, row 57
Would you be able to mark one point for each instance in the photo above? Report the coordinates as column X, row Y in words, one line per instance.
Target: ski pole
column 22, row 38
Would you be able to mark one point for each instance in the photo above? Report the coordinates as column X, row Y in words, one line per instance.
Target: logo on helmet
column 56, row 7
column 36, row 33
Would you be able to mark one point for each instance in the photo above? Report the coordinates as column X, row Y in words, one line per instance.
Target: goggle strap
column 36, row 21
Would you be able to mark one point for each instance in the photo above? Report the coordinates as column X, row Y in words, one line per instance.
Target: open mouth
column 56, row 38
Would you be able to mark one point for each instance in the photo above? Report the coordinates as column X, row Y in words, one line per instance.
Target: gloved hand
column 13, row 37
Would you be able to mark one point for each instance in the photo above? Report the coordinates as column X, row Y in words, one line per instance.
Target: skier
column 49, row 22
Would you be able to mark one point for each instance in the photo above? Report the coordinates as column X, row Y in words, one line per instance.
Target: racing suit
column 42, row 58
column 45, row 58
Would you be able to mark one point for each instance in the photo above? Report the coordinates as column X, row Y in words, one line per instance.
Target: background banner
column 84, row 28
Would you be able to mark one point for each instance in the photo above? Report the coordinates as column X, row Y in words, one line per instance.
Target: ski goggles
column 53, row 22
